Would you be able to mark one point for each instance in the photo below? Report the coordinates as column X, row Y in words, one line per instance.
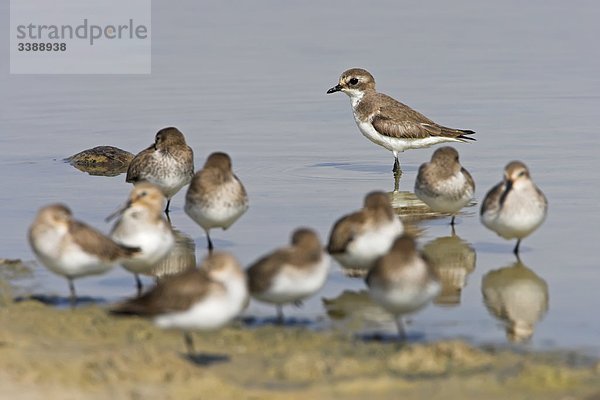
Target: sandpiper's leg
column 400, row 326
column 280, row 318
column 210, row 243
column 516, row 249
column 452, row 221
column 189, row 343
column 73, row 297
column 167, row 207
column 138, row 284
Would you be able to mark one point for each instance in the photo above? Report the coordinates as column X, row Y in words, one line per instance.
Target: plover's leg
column 280, row 317
column 73, row 297
column 167, row 207
column 210, row 243
column 400, row 326
column 396, row 164
column 452, row 221
column 516, row 249
column 138, row 284
column 189, row 343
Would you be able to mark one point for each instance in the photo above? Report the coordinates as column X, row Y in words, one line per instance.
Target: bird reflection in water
column 453, row 259
column 181, row 257
column 516, row 296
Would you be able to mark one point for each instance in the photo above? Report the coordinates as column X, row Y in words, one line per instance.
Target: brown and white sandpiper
column 216, row 197
column 167, row 163
column 515, row 207
column 290, row 274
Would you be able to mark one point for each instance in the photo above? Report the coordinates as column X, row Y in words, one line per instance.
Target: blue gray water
column 250, row 79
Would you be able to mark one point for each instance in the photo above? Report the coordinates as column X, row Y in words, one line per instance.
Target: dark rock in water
column 102, row 160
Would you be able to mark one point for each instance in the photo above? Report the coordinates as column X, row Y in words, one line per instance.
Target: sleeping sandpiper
column 290, row 274
column 389, row 123
column 515, row 207
column 206, row 298
column 402, row 281
column 216, row 198
column 71, row 248
column 443, row 184
column 142, row 225
column 167, row 163
column 358, row 239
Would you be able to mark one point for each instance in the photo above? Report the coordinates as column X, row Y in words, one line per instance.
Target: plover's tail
column 459, row 134
column 464, row 133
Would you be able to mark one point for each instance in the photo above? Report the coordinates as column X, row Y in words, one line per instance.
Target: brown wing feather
column 492, row 197
column 395, row 119
column 138, row 164
column 262, row 271
column 344, row 231
column 94, row 242
column 176, row 293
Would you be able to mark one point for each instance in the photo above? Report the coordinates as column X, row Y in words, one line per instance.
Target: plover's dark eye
column 353, row 81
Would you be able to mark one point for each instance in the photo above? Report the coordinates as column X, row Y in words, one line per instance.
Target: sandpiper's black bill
column 334, row 89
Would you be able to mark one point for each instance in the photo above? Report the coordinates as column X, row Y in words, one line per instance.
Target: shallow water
column 251, row 81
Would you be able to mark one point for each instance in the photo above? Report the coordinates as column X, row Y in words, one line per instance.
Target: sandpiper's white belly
column 221, row 212
column 292, row 284
column 367, row 247
column 449, row 196
column 520, row 215
column 170, row 175
column 211, row 312
column 405, row 299
column 67, row 258
column 154, row 243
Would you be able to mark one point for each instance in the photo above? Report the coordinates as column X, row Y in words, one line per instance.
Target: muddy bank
column 86, row 353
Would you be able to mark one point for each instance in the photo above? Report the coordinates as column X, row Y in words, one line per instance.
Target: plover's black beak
column 334, row 89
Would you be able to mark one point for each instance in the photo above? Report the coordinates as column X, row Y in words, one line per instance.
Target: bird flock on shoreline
column 370, row 242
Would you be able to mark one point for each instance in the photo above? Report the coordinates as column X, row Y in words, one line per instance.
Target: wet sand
column 50, row 353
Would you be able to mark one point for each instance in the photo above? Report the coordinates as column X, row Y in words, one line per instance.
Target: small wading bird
column 142, row 225
column 290, row 274
column 443, row 184
column 216, row 198
column 168, row 163
column 71, row 248
column 200, row 299
column 358, row 239
column 389, row 123
column 515, row 207
column 402, row 281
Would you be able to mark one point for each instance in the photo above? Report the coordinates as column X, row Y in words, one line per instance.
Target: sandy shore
column 48, row 353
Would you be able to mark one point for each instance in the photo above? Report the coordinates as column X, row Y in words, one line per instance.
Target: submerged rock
column 102, row 160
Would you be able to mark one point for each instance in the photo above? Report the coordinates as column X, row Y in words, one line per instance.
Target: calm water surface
column 251, row 80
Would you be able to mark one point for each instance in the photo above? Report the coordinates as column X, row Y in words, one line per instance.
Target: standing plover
column 71, row 248
column 206, row 298
column 358, row 239
column 443, row 184
column 167, row 163
column 389, row 123
column 290, row 274
column 402, row 281
column 142, row 225
column 515, row 207
column 216, row 198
